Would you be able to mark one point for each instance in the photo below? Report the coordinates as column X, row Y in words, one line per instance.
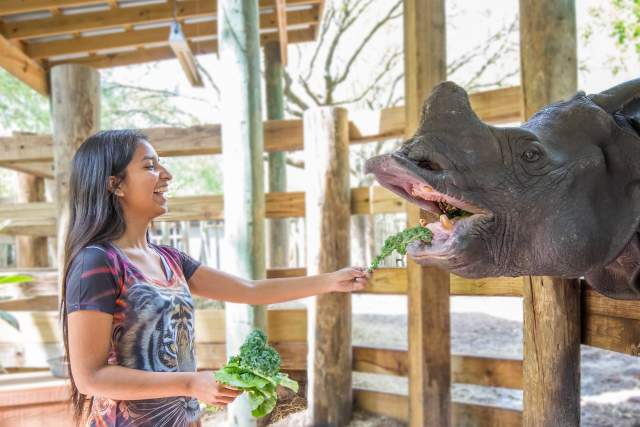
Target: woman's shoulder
column 96, row 254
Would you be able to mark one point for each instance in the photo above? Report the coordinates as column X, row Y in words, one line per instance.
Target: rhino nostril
column 428, row 164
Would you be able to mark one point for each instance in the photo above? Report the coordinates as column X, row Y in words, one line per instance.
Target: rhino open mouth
column 456, row 217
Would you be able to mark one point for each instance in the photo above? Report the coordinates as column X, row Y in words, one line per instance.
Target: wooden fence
column 606, row 323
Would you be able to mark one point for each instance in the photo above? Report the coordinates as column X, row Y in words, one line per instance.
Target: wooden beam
column 595, row 303
column 282, row 21
column 465, row 369
column 285, row 325
column 611, row 333
column 163, row 53
column 279, row 135
column 140, row 38
column 34, row 399
column 93, row 21
column 31, row 251
column 391, row 280
column 551, row 352
column 428, row 287
column 10, row 7
column 551, row 306
column 39, row 169
column 117, row 17
column 18, row 64
column 463, row 414
column 327, row 221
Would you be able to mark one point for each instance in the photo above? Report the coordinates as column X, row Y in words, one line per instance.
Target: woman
column 127, row 303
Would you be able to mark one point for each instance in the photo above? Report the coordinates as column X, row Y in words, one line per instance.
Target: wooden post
column 75, row 113
column 428, row 288
column 243, row 171
column 278, row 228
column 31, row 251
column 328, row 217
column 551, row 306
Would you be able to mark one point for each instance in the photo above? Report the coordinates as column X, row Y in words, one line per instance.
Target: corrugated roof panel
column 103, row 32
column 135, row 3
column 69, row 11
column 27, row 16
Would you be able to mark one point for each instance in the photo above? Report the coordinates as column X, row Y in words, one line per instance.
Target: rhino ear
column 631, row 112
column 620, row 279
column 615, row 98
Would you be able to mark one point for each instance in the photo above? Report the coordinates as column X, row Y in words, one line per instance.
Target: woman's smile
column 160, row 194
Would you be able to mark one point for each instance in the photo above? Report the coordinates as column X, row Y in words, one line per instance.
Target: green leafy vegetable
column 399, row 241
column 256, row 370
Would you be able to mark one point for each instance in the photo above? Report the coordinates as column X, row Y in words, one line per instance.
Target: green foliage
column 194, row 175
column 15, row 278
column 122, row 106
column 22, row 108
column 256, row 371
column 399, row 242
column 626, row 26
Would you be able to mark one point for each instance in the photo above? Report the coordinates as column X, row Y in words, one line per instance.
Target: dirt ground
column 610, row 381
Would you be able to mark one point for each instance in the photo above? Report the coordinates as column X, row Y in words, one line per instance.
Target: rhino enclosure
column 559, row 315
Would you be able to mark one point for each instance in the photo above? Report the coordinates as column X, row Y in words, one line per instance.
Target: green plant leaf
column 285, row 381
column 16, row 278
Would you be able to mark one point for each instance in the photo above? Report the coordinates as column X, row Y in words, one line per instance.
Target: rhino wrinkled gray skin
column 558, row 196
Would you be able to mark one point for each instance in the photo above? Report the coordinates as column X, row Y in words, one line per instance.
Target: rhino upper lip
column 407, row 184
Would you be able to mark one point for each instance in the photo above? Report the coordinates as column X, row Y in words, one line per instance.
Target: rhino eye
column 531, row 155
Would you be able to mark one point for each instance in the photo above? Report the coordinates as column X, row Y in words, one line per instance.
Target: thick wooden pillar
column 428, row 292
column 551, row 305
column 75, row 114
column 243, row 169
column 278, row 228
column 31, row 251
column 328, row 218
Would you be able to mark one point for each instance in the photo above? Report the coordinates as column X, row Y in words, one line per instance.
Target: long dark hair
column 95, row 214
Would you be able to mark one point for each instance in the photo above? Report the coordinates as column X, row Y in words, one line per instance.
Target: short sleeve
column 188, row 264
column 91, row 284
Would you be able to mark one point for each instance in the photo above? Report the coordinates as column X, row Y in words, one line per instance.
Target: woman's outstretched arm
column 215, row 284
column 89, row 342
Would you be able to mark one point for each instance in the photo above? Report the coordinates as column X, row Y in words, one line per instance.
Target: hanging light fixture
column 180, row 46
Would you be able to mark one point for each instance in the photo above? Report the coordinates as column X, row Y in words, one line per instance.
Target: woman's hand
column 204, row 387
column 349, row 279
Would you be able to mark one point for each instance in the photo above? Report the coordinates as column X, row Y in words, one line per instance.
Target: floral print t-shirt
column 152, row 330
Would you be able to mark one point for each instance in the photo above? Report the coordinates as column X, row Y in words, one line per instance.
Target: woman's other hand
column 204, row 387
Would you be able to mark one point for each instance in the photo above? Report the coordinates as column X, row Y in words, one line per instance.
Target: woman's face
column 143, row 191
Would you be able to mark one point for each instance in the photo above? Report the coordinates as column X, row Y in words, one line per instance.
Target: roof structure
column 38, row 34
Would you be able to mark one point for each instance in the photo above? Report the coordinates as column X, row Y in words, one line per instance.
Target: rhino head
column 558, row 196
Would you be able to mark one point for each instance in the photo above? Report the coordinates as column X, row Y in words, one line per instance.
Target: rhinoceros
column 557, row 196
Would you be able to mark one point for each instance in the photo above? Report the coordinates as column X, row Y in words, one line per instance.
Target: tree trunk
column 428, row 288
column 243, row 169
column 278, row 228
column 75, row 113
column 328, row 218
